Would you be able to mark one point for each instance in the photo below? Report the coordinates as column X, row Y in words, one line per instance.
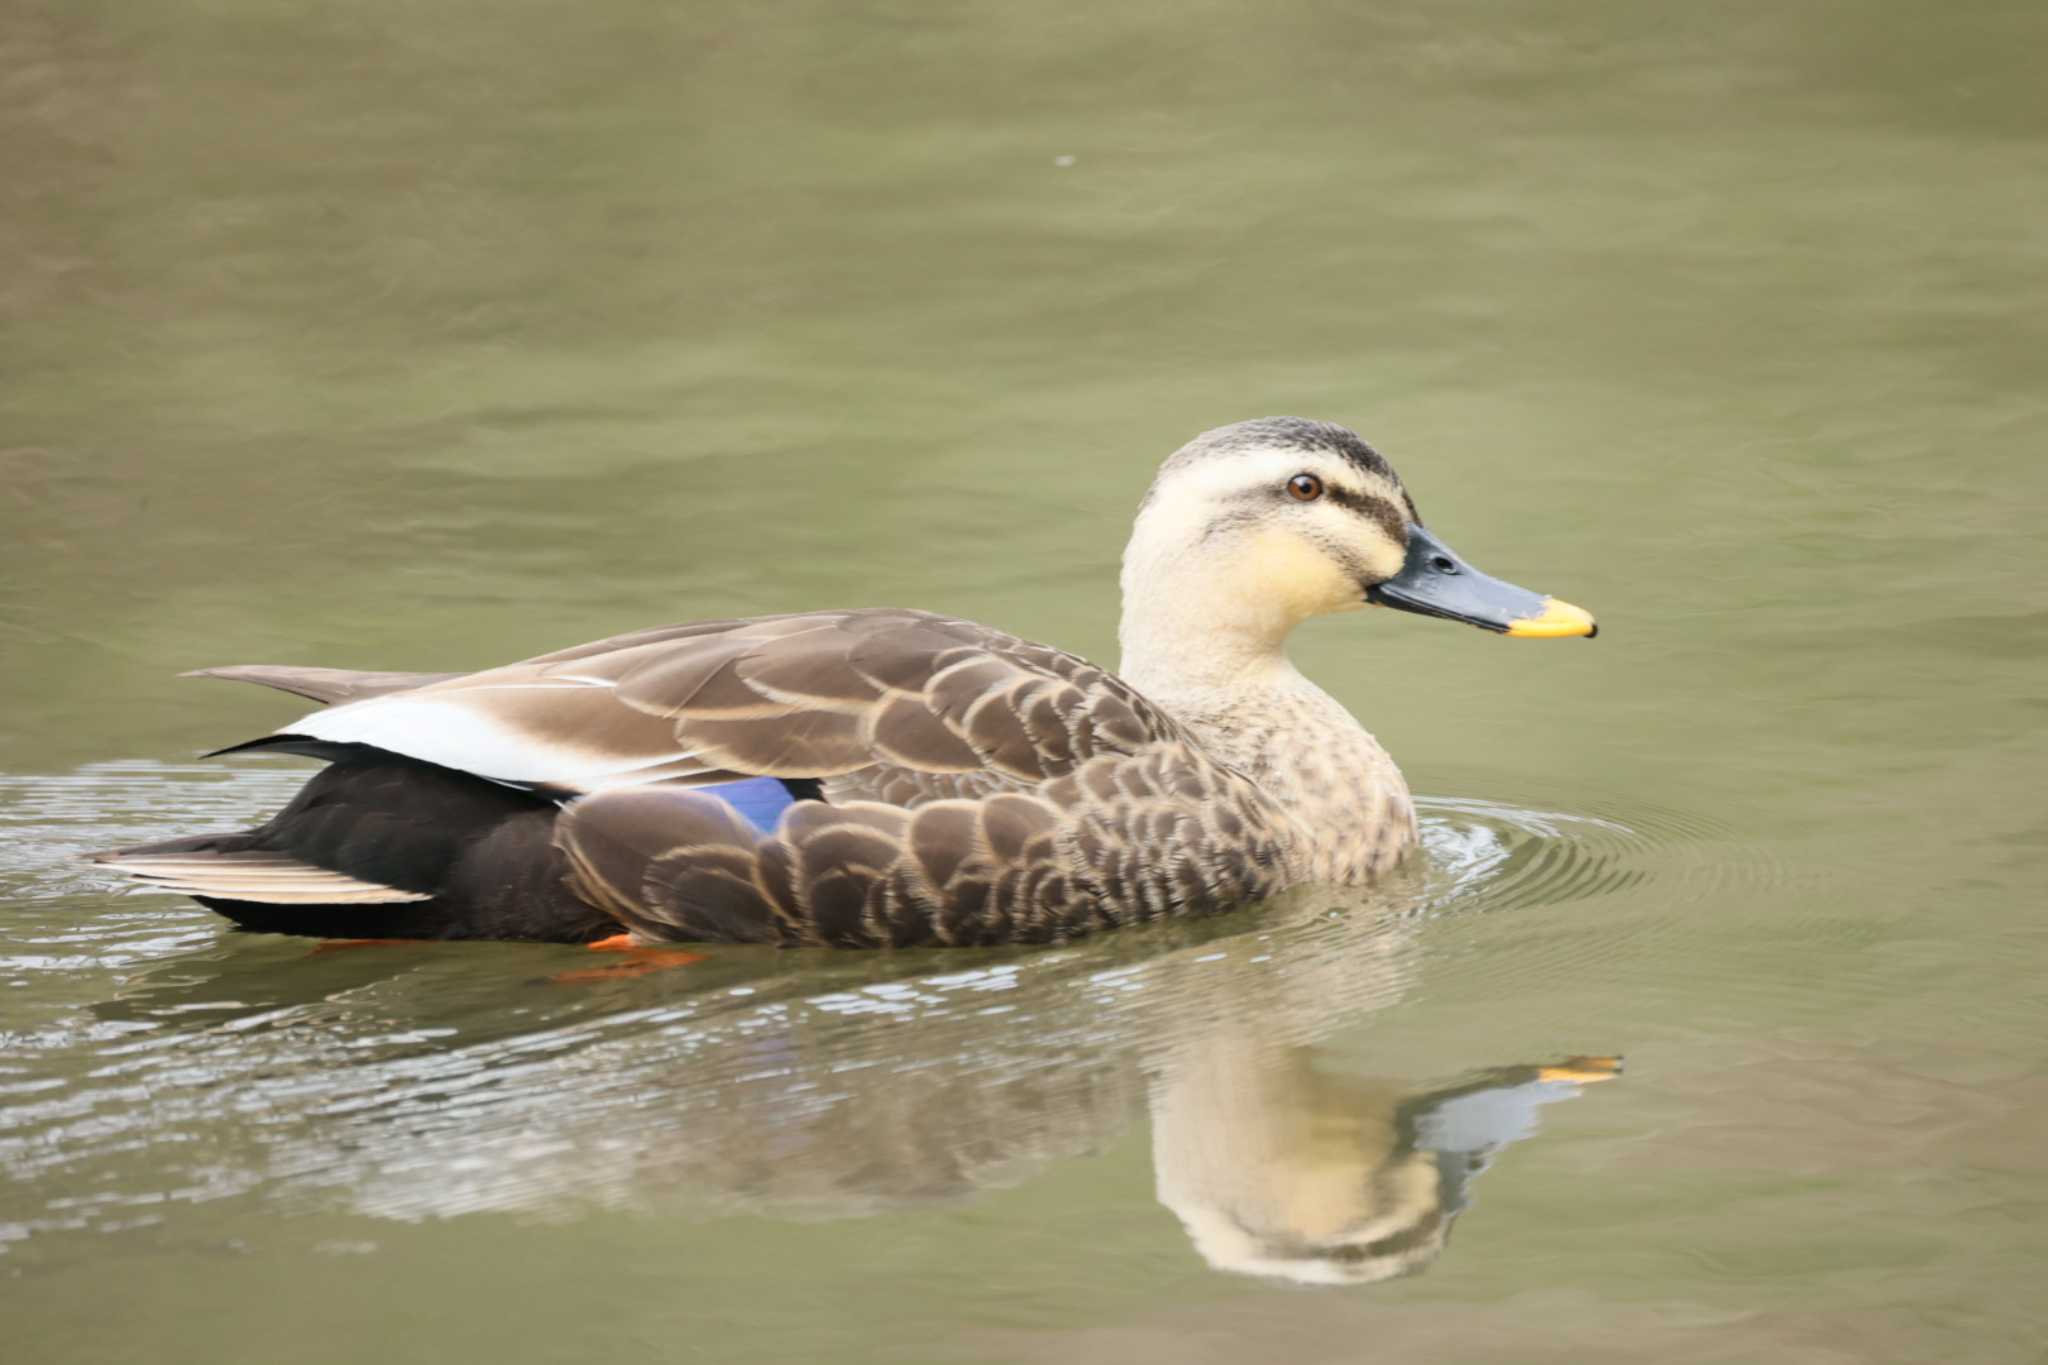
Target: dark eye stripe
column 1374, row 506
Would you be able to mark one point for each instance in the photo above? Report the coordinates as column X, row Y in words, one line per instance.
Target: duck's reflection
column 764, row 1083
column 1276, row 1167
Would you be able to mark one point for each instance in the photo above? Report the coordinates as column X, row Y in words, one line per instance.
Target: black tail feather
column 484, row 853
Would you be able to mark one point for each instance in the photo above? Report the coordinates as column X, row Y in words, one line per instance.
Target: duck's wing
column 1122, row 839
column 331, row 686
column 900, row 706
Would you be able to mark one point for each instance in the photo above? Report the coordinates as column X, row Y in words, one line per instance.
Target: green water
column 430, row 337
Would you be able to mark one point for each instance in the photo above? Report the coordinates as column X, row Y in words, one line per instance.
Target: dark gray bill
column 1434, row 581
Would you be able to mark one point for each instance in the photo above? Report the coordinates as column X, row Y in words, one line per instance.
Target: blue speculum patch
column 760, row 800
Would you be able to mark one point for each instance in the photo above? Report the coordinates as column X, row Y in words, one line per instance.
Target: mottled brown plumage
column 981, row 789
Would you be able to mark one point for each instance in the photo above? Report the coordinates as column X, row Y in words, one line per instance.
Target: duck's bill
column 1435, row 581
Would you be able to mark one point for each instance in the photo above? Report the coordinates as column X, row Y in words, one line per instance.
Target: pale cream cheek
column 1296, row 575
column 1385, row 558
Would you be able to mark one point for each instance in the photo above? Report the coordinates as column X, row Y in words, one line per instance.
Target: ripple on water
column 1611, row 885
column 163, row 1058
column 1492, row 856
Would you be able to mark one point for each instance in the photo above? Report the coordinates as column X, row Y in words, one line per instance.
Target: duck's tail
column 379, row 846
column 237, row 867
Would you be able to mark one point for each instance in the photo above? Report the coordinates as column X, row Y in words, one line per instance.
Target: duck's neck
column 1229, row 680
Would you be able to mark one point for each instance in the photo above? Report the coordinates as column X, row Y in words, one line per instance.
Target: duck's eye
column 1305, row 488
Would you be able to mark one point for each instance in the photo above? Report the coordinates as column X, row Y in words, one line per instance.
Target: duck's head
column 1250, row 529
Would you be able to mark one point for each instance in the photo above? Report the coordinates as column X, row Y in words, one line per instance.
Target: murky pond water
column 383, row 336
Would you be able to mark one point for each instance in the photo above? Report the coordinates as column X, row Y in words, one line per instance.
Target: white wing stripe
column 456, row 736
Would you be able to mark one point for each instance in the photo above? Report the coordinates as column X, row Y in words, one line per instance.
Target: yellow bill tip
column 1558, row 620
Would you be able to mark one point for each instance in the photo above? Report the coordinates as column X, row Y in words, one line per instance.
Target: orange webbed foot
column 342, row 945
column 645, row 959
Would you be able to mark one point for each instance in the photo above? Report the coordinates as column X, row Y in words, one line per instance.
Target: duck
column 881, row 777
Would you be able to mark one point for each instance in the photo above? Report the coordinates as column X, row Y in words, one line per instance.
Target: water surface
column 390, row 337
